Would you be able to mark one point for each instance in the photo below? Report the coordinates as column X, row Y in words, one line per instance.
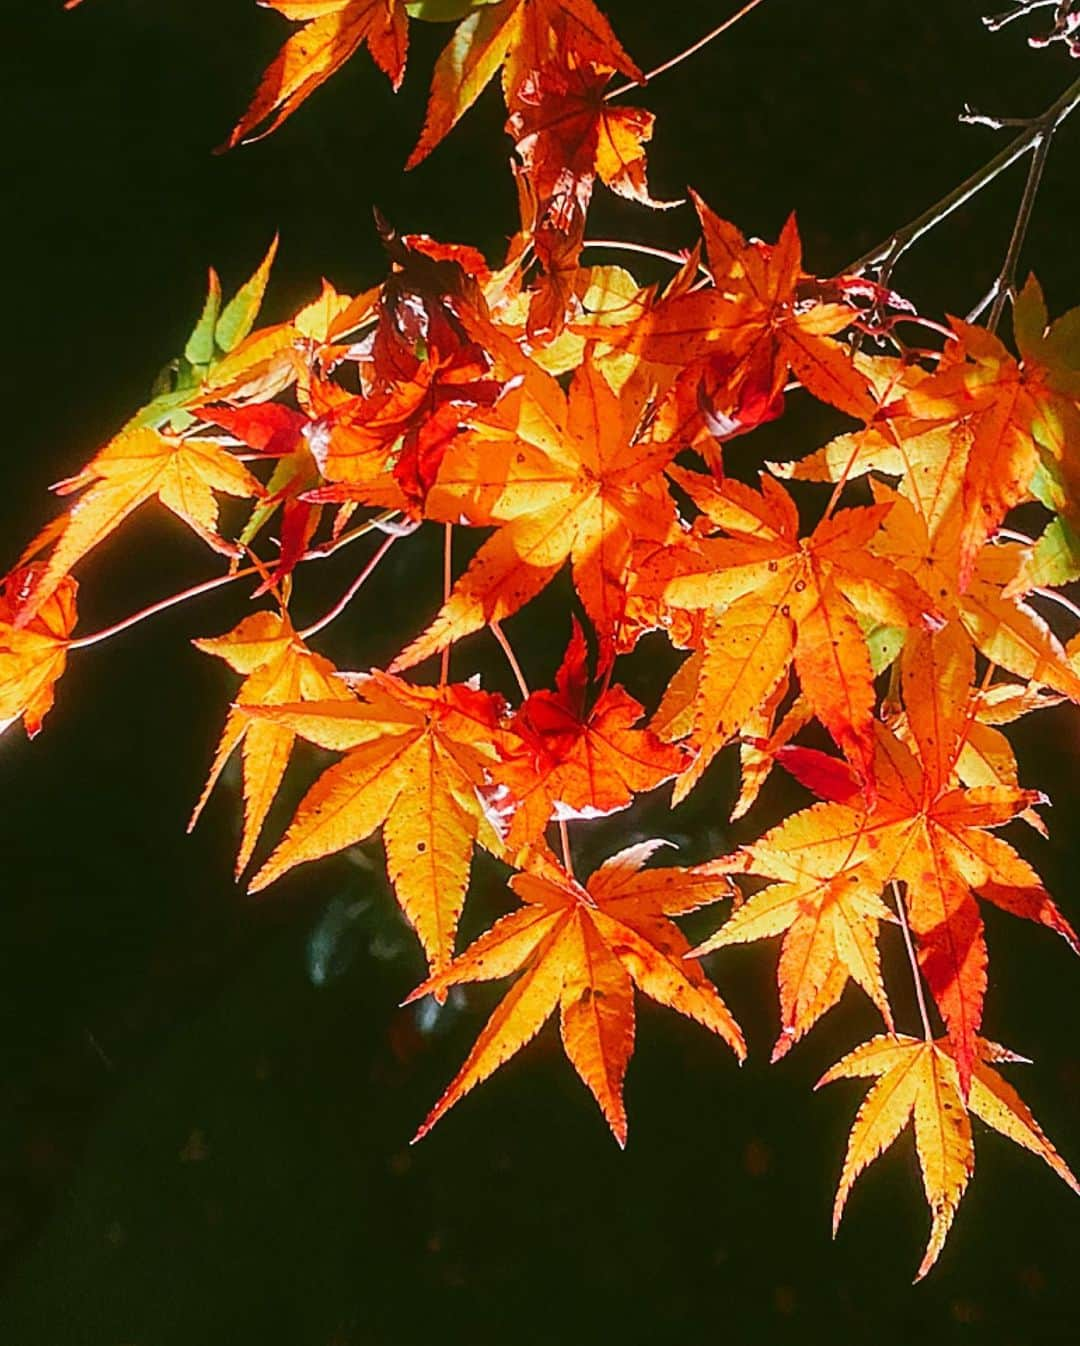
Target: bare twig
column 1006, row 278
column 887, row 253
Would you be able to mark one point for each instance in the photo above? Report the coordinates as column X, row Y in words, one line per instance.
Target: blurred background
column 208, row 1098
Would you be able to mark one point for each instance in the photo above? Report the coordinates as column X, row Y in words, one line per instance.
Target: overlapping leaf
column 415, row 763
column 563, row 761
column 279, row 669
column 583, row 950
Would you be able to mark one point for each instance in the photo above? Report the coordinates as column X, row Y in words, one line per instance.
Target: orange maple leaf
column 131, row 469
column 774, row 599
column 583, row 949
column 520, row 36
column 565, row 478
column 735, row 341
column 333, row 31
column 917, row 1081
column 279, row 669
column 1010, row 408
column 930, row 834
column 416, row 761
column 33, row 654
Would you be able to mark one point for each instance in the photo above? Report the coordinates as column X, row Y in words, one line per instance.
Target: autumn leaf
column 562, row 761
column 1012, row 409
column 917, row 1081
column 135, row 467
column 416, row 761
column 567, row 135
column 828, row 909
column 773, row 599
column 518, row 36
column 279, row 669
column 735, row 342
column 583, row 949
column 333, row 31
column 33, row 654
column 932, row 836
column 567, row 480
column 996, row 620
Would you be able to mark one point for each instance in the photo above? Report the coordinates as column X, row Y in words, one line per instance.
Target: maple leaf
column 930, row 834
column 278, row 668
column 996, row 621
column 1010, row 408
column 566, row 135
column 917, row 1081
column 564, row 762
column 774, row 599
column 387, row 449
column 735, row 342
column 333, row 31
column 135, row 467
column 416, row 761
column 217, row 352
column 583, row 949
column 33, row 654
column 277, row 432
column 828, row 909
column 566, row 479
column 520, row 36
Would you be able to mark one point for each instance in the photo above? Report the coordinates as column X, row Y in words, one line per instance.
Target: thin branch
column 890, row 250
column 377, row 521
column 447, row 585
column 564, row 841
column 995, row 22
column 920, row 995
column 511, row 658
column 662, row 253
column 1052, row 596
column 350, row 593
column 1006, row 279
column 205, row 587
column 676, row 60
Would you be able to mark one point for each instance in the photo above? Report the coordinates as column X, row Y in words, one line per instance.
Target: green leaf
column 239, row 314
column 200, row 344
column 1055, row 558
column 884, row 644
column 443, row 11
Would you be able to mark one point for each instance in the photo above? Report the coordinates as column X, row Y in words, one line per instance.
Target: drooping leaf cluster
column 579, row 419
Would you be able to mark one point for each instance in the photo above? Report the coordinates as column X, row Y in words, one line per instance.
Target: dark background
column 207, row 1099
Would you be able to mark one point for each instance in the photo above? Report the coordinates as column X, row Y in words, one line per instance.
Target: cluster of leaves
column 581, row 419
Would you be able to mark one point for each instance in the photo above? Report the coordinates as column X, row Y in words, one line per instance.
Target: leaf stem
column 920, row 995
column 564, row 841
column 206, row 586
column 511, row 658
column 351, row 592
column 729, row 22
column 887, row 253
column 447, row 585
column 84, row 642
column 662, row 253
